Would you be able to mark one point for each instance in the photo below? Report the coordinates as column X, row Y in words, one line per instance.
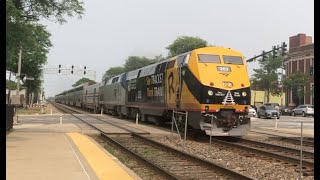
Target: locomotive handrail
column 185, row 123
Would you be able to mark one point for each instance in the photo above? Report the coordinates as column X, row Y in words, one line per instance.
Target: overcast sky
column 110, row 31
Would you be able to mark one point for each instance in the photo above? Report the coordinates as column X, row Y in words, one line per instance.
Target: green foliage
column 113, row 71
column 83, row 80
column 181, row 45
column 136, row 62
column 296, row 83
column 294, row 80
column 132, row 63
column 24, row 31
column 13, row 85
column 266, row 77
column 159, row 58
column 184, row 44
column 55, row 10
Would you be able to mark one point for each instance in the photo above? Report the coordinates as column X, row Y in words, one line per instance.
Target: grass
column 28, row 111
column 33, row 110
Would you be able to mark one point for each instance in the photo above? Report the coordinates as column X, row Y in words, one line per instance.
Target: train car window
column 181, row 60
column 171, row 64
column 132, row 74
column 161, row 67
column 139, row 73
column 209, row 58
column 115, row 79
column 232, row 60
column 186, row 59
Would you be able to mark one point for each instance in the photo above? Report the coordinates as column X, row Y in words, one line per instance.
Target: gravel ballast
column 252, row 166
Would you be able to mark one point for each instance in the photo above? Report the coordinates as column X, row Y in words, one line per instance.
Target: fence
column 9, row 117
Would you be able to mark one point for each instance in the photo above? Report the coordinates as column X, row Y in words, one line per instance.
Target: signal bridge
column 70, row 70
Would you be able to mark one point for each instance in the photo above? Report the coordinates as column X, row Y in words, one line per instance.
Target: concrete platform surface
column 49, row 156
column 52, row 155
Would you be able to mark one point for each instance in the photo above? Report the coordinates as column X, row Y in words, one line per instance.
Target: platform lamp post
column 254, row 92
column 9, row 88
column 312, row 95
column 25, row 79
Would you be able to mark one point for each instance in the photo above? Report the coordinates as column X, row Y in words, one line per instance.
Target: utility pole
column 19, row 73
column 9, row 91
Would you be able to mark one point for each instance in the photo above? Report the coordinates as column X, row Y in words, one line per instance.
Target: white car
column 252, row 112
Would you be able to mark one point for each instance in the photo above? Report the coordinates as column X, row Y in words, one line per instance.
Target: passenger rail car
column 210, row 83
column 112, row 95
column 91, row 97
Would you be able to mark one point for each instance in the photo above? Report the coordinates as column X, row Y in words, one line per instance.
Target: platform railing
column 9, row 117
column 174, row 122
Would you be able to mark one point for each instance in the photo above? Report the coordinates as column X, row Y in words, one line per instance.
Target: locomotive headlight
column 210, row 93
column 244, row 94
column 229, row 84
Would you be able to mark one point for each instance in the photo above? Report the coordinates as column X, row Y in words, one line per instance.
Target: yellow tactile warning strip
column 101, row 163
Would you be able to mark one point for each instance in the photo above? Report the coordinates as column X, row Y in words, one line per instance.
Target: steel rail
column 294, row 161
column 225, row 171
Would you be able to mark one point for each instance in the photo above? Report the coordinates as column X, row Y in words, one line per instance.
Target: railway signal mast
column 70, row 70
column 274, row 51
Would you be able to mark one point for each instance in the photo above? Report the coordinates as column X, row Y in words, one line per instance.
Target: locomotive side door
column 171, row 77
column 181, row 63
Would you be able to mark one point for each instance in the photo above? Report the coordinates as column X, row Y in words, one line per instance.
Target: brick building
column 300, row 58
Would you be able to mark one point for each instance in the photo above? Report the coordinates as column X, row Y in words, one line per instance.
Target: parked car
column 272, row 104
column 254, row 107
column 252, row 112
column 268, row 112
column 303, row 110
column 284, row 110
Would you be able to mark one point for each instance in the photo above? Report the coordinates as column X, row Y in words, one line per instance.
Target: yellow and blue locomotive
column 210, row 83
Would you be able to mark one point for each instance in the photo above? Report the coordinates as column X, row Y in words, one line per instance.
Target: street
column 289, row 122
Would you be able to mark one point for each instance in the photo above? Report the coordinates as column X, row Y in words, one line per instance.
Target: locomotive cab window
column 233, row 60
column 208, row 58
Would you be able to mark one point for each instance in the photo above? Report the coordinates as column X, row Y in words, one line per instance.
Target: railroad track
column 169, row 162
column 307, row 141
column 288, row 156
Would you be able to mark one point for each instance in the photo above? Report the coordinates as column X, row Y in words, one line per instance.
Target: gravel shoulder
column 240, row 162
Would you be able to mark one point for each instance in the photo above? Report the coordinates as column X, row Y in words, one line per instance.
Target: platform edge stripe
column 103, row 165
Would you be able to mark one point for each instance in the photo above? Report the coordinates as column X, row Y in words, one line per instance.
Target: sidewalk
column 43, row 155
column 54, row 152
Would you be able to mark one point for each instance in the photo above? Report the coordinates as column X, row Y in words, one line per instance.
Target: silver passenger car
column 303, row 110
column 112, row 95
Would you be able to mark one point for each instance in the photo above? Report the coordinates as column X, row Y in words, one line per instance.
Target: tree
column 159, row 58
column 83, row 80
column 136, row 62
column 113, row 71
column 55, row 10
column 266, row 77
column 296, row 82
column 23, row 31
column 13, row 85
column 184, row 44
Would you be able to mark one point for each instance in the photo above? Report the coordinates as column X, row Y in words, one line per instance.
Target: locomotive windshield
column 232, row 60
column 209, row 58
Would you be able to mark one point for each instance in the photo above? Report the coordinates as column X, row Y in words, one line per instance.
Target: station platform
column 59, row 151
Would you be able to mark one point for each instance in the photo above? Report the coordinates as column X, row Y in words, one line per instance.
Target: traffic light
column 85, row 67
column 284, row 48
column 72, row 69
column 311, row 70
column 59, row 68
column 274, row 52
column 264, row 56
